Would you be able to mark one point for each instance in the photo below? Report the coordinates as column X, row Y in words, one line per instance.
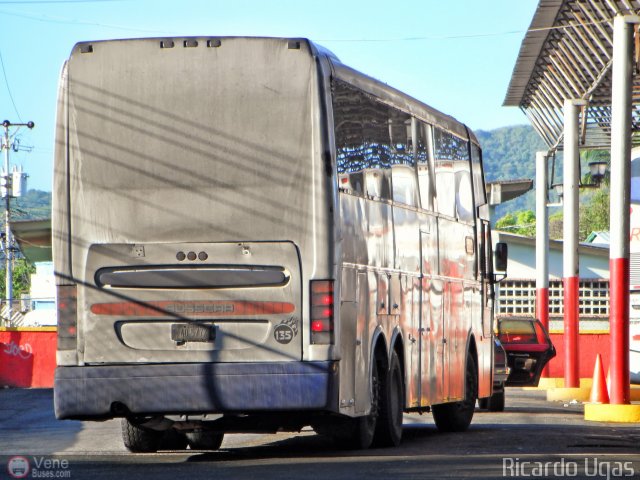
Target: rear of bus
column 191, row 229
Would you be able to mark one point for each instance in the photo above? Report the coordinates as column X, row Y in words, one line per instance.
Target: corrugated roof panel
column 566, row 54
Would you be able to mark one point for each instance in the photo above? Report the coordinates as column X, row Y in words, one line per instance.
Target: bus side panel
column 362, row 347
column 434, row 345
column 456, row 265
column 412, row 344
column 353, row 223
column 348, row 338
column 60, row 198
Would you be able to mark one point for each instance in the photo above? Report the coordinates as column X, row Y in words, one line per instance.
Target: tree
column 22, row 270
column 594, row 216
column 555, row 225
column 522, row 222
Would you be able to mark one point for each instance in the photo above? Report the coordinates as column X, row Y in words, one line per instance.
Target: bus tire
column 358, row 433
column 138, row 439
column 389, row 424
column 172, row 439
column 456, row 416
column 204, row 440
column 496, row 402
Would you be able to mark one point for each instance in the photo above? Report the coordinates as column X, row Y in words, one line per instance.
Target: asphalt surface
column 532, row 438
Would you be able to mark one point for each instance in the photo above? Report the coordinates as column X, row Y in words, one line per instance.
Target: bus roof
column 350, row 75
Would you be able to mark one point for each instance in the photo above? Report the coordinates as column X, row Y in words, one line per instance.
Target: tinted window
column 425, row 174
column 464, row 196
column 514, row 331
column 374, row 147
column 478, row 177
column 403, row 166
column 453, row 175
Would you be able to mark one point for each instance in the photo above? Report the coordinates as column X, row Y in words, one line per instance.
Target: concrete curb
column 580, row 394
column 612, row 413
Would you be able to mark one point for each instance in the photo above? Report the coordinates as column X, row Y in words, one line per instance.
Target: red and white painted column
column 542, row 244
column 620, row 205
column 570, row 269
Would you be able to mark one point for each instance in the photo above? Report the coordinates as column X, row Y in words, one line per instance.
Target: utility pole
column 8, row 190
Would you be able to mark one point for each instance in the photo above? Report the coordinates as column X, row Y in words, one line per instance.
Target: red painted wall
column 589, row 345
column 27, row 357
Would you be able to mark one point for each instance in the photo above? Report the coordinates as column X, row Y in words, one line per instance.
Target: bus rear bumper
column 108, row 391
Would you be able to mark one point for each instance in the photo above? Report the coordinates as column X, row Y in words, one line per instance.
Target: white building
column 516, row 295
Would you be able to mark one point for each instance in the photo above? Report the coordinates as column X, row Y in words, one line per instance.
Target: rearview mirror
column 501, row 256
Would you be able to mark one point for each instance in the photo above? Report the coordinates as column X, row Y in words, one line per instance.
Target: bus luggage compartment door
column 216, row 302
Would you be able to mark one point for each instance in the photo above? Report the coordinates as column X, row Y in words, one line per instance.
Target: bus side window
column 480, row 194
column 349, row 142
column 362, row 142
column 403, row 166
column 453, row 173
column 444, row 153
column 464, row 194
column 426, row 182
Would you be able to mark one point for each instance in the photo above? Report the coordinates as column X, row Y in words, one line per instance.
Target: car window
column 514, row 331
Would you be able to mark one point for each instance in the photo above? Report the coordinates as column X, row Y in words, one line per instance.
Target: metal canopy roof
column 34, row 238
column 567, row 54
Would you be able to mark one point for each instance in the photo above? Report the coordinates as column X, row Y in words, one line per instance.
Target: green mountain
column 35, row 205
column 509, row 153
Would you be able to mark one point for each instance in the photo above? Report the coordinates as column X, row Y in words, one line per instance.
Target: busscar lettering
column 200, row 308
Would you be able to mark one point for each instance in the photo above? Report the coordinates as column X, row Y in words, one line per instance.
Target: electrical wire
column 6, row 82
column 71, row 21
column 64, row 20
column 39, row 2
column 470, row 35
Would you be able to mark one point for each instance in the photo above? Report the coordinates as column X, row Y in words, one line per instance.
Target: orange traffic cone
column 599, row 392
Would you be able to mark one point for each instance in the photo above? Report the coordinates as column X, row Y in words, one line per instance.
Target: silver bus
column 250, row 236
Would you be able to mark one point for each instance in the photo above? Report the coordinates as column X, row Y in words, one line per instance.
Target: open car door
column 528, row 348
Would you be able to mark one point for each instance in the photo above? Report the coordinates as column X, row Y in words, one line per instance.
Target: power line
column 71, row 21
column 6, row 82
column 468, row 35
column 36, row 2
column 65, row 20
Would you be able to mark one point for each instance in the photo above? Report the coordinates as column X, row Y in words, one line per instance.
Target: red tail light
column 322, row 305
column 67, row 317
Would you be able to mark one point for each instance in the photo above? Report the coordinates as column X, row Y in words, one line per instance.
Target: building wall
column 519, row 291
column 593, row 260
column 27, row 357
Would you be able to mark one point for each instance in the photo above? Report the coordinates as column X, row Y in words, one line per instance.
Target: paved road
column 531, row 434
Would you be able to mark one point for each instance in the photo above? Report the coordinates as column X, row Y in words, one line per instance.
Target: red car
column 528, row 348
column 522, row 349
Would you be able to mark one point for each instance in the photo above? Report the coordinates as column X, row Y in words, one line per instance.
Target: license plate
column 192, row 332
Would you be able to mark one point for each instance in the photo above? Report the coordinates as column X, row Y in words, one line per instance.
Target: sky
column 455, row 56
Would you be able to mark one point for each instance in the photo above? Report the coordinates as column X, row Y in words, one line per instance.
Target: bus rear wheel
column 204, row 440
column 456, row 416
column 138, row 439
column 389, row 424
column 358, row 433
